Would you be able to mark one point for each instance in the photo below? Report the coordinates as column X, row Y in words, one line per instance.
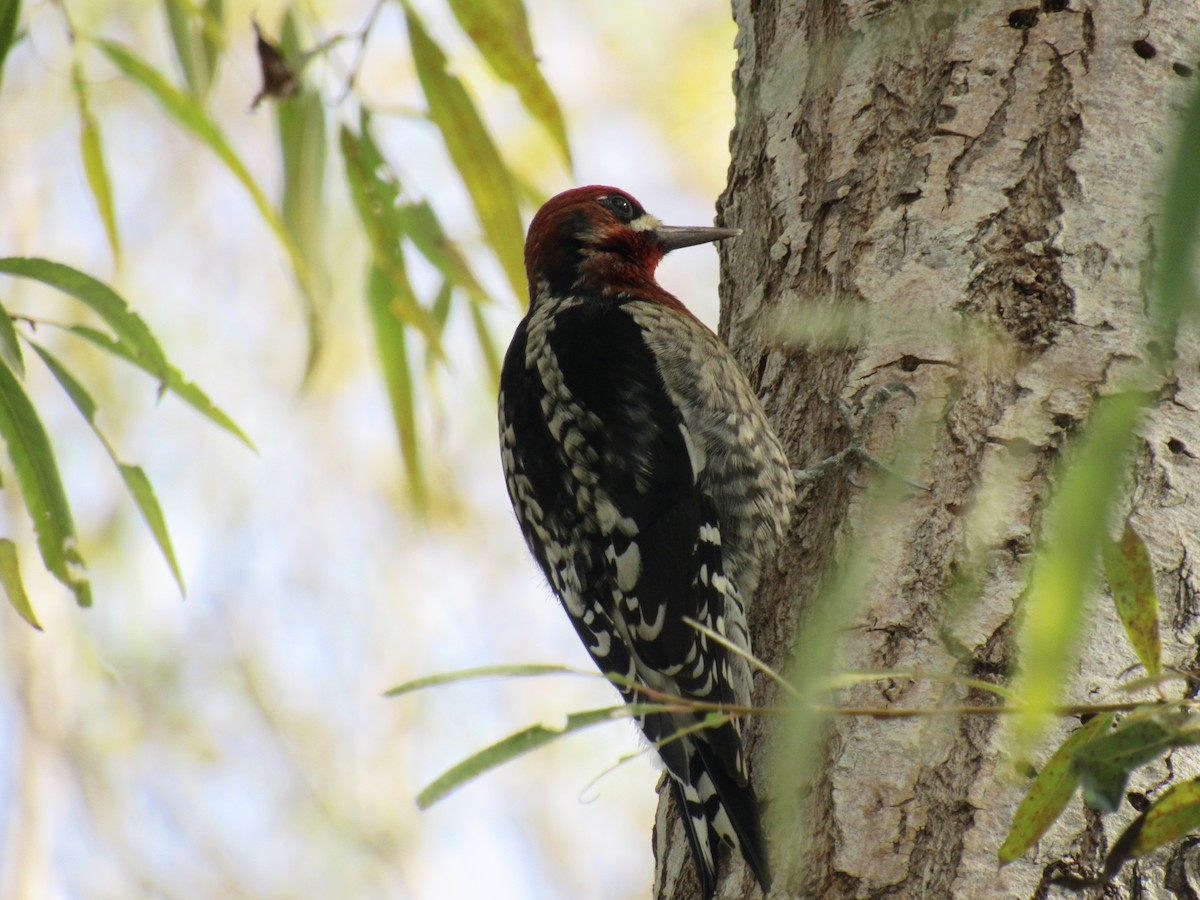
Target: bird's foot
column 855, row 454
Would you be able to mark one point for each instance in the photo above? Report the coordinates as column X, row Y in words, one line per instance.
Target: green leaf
column 420, row 224
column 188, row 112
column 384, row 295
column 1177, row 294
column 41, row 487
column 10, row 12
column 1131, row 576
column 14, row 586
column 134, row 343
column 518, row 744
column 376, row 194
column 195, row 47
column 473, row 152
column 135, row 479
column 212, row 35
column 92, row 151
column 1076, row 524
column 169, row 379
column 139, row 487
column 1104, row 765
column 527, row 670
column 99, row 297
column 500, row 29
column 1173, row 814
column 10, row 346
column 1050, row 792
column 303, row 143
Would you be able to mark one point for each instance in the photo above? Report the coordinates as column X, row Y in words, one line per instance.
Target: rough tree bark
column 925, row 162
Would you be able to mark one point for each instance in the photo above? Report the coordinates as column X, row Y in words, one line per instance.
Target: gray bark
column 980, row 183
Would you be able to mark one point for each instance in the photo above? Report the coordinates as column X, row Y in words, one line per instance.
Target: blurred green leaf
column 1173, row 814
column 487, row 344
column 1104, row 765
column 1131, row 576
column 1177, row 294
column 376, row 194
column 473, row 152
column 10, row 12
column 500, row 29
column 187, row 26
column 41, row 487
column 135, row 479
column 505, row 671
column 187, row 111
column 1076, row 523
column 94, row 167
column 14, row 586
column 303, row 143
column 518, row 744
column 10, row 346
column 212, row 35
column 420, row 224
column 1050, row 792
column 389, row 330
column 168, row 377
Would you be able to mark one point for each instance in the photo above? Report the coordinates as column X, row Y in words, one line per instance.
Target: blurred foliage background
column 236, row 742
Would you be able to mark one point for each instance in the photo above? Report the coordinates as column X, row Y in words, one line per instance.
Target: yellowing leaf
column 1131, row 577
column 1173, row 814
column 473, row 152
column 500, row 29
column 1050, row 792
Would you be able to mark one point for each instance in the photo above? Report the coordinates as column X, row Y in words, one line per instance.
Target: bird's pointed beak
column 672, row 237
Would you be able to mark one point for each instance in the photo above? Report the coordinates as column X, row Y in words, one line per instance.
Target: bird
column 650, row 489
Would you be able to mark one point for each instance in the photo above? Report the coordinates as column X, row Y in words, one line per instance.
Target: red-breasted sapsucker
column 649, row 486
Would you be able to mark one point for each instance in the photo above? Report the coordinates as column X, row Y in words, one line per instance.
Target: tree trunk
column 979, row 184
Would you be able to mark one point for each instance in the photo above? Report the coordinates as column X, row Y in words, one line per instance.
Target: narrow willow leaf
column 527, row 670
column 188, row 112
column 421, row 225
column 139, row 487
column 519, row 744
column 1131, row 576
column 10, row 12
column 169, row 379
column 1076, row 524
column 473, row 152
column 91, row 149
column 376, row 194
column 304, row 145
column 99, row 297
column 1173, row 814
column 487, row 344
column 1050, row 792
column 440, row 311
column 181, row 20
column 135, row 479
column 1104, row 765
column 41, row 487
column 212, row 35
column 10, row 345
column 1177, row 295
column 382, row 293
column 500, row 29
column 14, row 586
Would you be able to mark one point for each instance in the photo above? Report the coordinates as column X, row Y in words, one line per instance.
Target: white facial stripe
column 645, row 222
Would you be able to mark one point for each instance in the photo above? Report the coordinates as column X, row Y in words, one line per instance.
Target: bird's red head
column 600, row 239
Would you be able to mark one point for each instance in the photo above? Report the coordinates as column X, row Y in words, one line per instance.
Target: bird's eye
column 619, row 205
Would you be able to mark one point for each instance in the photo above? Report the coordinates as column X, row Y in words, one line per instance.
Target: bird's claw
column 856, row 452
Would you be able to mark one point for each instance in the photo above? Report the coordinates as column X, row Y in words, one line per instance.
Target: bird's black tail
column 716, row 808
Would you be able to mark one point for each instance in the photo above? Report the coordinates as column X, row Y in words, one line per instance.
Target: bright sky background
column 235, row 743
